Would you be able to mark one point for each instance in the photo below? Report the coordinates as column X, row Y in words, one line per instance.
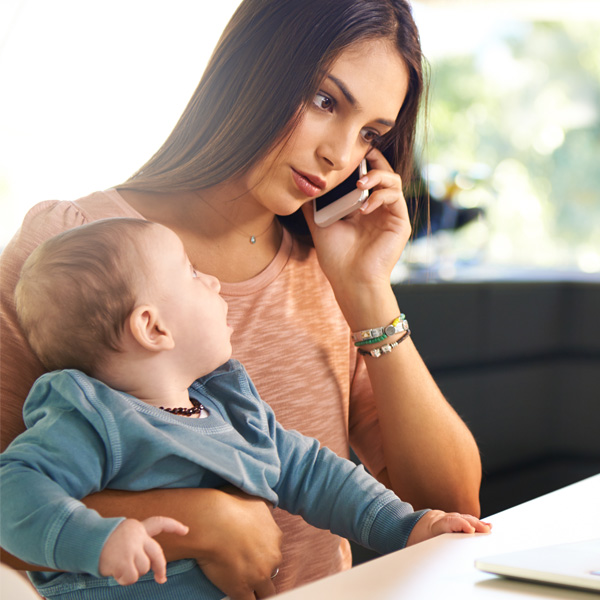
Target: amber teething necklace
column 197, row 409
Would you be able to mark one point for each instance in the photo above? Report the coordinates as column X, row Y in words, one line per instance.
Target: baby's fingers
column 158, row 562
column 467, row 524
column 128, row 573
column 153, row 550
column 156, row 525
column 481, row 526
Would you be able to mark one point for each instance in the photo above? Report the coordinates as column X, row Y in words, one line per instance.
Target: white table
column 442, row 568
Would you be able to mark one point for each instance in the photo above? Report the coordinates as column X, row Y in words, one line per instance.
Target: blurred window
column 512, row 158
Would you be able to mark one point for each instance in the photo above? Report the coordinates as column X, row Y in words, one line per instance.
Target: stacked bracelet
column 378, row 334
column 386, row 349
column 372, row 340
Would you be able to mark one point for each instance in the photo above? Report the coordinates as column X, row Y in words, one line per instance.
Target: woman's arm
column 431, row 457
column 232, row 536
column 17, row 563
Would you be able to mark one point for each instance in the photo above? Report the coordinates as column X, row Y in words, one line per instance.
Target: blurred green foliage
column 522, row 113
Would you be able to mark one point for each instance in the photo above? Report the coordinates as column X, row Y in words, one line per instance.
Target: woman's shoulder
column 51, row 217
column 41, row 222
column 20, row 367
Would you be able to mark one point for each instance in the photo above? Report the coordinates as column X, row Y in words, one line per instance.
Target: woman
column 295, row 95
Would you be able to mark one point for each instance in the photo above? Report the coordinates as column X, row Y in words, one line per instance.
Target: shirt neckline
column 239, row 288
column 266, row 276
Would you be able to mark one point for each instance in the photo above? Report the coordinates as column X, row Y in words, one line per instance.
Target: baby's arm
column 130, row 551
column 63, row 456
column 333, row 493
column 436, row 522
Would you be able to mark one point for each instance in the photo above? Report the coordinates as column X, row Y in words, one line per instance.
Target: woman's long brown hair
column 268, row 64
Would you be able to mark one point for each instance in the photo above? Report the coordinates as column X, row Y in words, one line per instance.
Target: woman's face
column 357, row 102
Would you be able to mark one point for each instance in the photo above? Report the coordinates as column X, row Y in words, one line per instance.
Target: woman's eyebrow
column 353, row 101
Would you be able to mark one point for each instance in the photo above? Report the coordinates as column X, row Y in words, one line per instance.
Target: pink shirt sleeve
column 20, row 367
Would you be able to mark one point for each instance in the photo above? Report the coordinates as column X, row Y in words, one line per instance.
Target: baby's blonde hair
column 77, row 289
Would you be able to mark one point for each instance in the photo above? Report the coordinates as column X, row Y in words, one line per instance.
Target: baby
column 143, row 394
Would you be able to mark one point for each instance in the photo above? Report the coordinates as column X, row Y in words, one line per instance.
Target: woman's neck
column 215, row 229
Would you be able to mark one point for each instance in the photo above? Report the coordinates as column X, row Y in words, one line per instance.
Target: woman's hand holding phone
column 359, row 252
column 342, row 200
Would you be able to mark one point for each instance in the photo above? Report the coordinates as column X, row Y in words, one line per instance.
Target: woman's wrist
column 367, row 307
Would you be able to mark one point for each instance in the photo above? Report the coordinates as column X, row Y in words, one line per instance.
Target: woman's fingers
column 377, row 160
column 379, row 179
column 265, row 589
column 247, row 546
column 385, row 186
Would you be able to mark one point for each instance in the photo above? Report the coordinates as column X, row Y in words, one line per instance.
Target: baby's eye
column 323, row 101
column 194, row 272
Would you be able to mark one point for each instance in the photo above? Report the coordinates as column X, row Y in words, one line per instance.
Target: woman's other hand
column 243, row 547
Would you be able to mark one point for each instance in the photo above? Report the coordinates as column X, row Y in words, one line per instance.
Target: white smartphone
column 341, row 200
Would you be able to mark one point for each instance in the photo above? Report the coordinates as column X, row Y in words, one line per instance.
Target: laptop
column 575, row 565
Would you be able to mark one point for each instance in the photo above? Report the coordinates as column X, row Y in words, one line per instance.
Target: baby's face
column 189, row 302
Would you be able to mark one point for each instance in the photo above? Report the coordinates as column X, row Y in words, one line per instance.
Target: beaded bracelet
column 377, row 352
column 372, row 340
column 372, row 336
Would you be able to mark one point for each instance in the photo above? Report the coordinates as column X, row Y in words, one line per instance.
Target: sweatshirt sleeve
column 333, row 493
column 67, row 453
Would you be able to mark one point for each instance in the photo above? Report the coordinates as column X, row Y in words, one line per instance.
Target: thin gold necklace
column 251, row 238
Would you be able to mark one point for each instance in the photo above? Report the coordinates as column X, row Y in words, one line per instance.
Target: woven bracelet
column 386, row 349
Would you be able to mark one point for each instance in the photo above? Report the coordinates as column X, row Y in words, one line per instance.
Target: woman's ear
column 148, row 329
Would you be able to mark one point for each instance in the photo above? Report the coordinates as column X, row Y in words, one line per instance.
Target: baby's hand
column 130, row 550
column 436, row 522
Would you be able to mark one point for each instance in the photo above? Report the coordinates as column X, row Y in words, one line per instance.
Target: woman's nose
column 336, row 149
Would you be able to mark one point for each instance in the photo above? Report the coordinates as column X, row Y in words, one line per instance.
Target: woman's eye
column 323, row 101
column 370, row 136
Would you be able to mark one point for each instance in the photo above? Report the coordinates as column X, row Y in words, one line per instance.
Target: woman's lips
column 310, row 186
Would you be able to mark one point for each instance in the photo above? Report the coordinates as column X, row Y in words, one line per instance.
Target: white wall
column 89, row 90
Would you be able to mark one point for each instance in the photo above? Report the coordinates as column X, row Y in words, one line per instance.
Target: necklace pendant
column 252, row 239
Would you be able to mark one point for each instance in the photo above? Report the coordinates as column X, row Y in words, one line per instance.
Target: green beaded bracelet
column 387, row 348
column 372, row 340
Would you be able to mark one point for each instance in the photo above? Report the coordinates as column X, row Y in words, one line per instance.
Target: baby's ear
column 149, row 330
